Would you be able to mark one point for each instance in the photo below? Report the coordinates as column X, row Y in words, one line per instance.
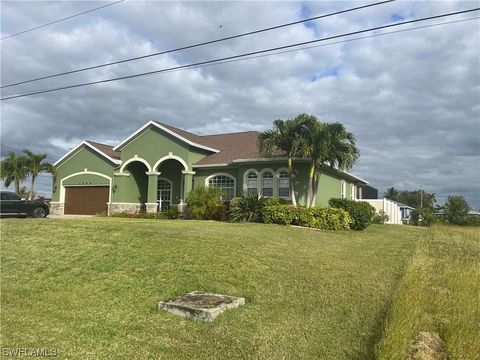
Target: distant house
column 157, row 166
column 405, row 210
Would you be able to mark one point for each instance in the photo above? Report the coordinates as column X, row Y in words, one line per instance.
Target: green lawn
column 90, row 288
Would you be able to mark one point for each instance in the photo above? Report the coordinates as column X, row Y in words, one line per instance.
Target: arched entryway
column 137, row 187
column 170, row 184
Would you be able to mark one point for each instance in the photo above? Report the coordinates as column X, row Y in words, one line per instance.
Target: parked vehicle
column 13, row 205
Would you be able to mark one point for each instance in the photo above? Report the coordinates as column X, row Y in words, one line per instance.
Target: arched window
column 283, row 184
column 267, row 183
column 226, row 183
column 251, row 182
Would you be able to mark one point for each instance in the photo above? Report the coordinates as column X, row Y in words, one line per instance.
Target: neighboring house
column 369, row 192
column 388, row 207
column 405, row 210
column 158, row 165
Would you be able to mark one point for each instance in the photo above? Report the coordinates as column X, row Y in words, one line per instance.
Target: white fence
column 389, row 208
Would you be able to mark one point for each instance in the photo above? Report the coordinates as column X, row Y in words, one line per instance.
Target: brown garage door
column 86, row 200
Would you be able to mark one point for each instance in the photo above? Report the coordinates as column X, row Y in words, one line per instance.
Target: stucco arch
column 85, row 172
column 139, row 159
column 168, row 157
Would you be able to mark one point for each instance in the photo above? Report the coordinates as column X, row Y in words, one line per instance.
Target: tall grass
column 439, row 293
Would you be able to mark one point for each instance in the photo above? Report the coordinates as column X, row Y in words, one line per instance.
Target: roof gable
column 103, row 150
column 182, row 135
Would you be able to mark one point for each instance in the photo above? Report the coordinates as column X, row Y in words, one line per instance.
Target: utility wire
column 331, row 43
column 59, row 20
column 240, row 55
column 196, row 45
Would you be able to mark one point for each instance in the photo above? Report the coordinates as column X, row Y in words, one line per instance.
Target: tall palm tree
column 284, row 136
column 326, row 144
column 35, row 166
column 13, row 169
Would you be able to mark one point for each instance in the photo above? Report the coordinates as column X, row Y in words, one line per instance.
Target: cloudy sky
column 411, row 98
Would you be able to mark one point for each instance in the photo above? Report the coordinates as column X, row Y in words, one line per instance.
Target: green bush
column 360, row 212
column 172, row 213
column 380, row 218
column 320, row 218
column 249, row 207
column 204, row 203
column 422, row 217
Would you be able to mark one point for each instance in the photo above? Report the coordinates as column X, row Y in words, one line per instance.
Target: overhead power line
column 59, row 20
column 196, row 45
column 240, row 55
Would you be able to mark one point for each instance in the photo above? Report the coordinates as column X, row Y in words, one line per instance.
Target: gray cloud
column 412, row 99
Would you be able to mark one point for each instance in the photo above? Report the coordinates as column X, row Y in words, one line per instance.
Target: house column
column 187, row 183
column 151, row 204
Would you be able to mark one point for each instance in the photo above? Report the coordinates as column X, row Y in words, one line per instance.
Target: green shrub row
column 360, row 212
column 249, row 207
column 319, row 218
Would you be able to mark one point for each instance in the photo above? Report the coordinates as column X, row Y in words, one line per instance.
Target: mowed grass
column 90, row 288
column 439, row 293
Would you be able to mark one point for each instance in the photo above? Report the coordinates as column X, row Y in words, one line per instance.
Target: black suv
column 13, row 205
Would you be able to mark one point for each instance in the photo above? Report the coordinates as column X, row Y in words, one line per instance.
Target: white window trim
column 274, row 174
column 171, row 191
column 353, row 191
column 245, row 179
column 276, row 191
column 343, row 189
column 223, row 174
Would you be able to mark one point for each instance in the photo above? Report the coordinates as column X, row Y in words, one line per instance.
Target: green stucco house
column 156, row 167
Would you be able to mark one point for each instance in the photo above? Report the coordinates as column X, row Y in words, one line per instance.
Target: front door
column 164, row 194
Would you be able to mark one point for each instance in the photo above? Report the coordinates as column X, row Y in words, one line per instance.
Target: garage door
column 86, row 200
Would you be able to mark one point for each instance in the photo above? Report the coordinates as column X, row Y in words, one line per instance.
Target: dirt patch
column 428, row 346
column 203, row 300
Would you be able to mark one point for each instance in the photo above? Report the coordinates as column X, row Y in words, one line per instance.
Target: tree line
column 318, row 142
column 17, row 168
column 454, row 211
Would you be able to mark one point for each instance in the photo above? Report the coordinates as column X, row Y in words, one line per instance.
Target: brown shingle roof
column 106, row 149
column 233, row 146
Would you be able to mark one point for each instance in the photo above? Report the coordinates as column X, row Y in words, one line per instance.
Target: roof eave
column 168, row 131
column 86, row 143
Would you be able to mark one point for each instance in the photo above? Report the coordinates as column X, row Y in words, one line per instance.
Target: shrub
column 172, row 213
column 422, row 217
column 204, row 203
column 360, row 212
column 320, row 218
column 249, row 207
column 380, row 218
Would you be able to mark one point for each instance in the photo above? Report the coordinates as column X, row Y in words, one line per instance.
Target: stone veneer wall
column 57, row 208
column 124, row 207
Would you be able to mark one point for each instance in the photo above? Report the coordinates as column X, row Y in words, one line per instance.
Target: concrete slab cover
column 200, row 306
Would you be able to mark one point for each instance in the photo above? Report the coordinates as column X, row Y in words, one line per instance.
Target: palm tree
column 326, row 144
column 284, row 136
column 13, row 169
column 35, row 166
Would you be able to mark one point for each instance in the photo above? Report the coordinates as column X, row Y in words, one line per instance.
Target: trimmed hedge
column 319, row 218
column 361, row 212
